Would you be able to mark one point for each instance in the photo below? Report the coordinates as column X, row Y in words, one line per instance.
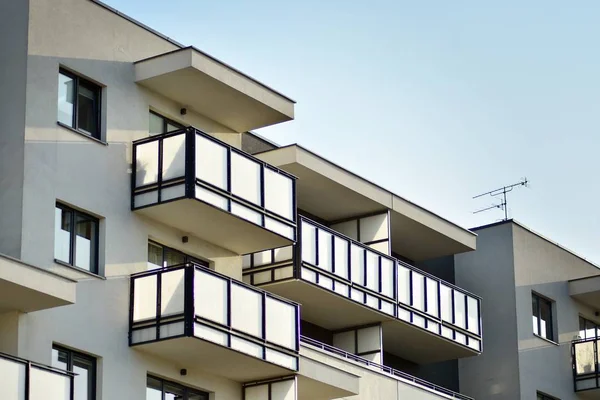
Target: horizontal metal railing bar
column 36, row 365
column 383, row 368
column 210, row 271
column 404, row 264
column 594, row 339
column 206, row 135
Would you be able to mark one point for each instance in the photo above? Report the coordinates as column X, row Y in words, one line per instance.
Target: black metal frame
column 298, row 263
column 189, row 317
column 385, row 369
column 269, row 383
column 595, row 375
column 75, row 356
column 78, row 80
column 187, row 391
column 538, row 312
column 191, row 181
column 73, row 242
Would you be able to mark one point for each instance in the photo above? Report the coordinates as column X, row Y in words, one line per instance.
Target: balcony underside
column 201, row 83
column 586, row 290
column 318, row 381
column 333, row 193
column 214, row 225
column 190, row 352
column 26, row 288
column 592, row 394
column 335, row 312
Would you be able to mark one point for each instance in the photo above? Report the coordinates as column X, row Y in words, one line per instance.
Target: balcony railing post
column 596, row 361
column 297, row 251
column 190, row 162
column 189, row 314
column 131, row 306
column 27, row 380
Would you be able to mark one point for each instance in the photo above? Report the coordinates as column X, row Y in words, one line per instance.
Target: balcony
column 586, row 290
column 342, row 283
column 195, row 183
column 586, row 372
column 212, row 88
column 24, row 380
column 193, row 316
column 27, row 288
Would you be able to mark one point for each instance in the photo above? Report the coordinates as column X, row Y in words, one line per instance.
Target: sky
column 436, row 101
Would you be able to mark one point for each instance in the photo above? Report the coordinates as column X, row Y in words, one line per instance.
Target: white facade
column 198, row 194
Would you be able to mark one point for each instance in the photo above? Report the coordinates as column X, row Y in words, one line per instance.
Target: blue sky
column 436, row 101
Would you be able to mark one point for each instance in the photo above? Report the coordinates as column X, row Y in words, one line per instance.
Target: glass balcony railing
column 350, row 269
column 25, row 380
column 189, row 164
column 586, row 371
column 192, row 301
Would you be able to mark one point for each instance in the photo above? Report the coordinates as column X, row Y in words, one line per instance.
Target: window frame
column 187, row 391
column 187, row 257
column 73, row 242
column 78, row 80
column 539, row 299
column 72, row 357
column 166, row 121
column 543, row 396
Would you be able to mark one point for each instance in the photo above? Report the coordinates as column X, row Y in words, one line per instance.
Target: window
column 76, row 238
column 587, row 329
column 82, row 365
column 542, row 317
column 159, row 389
column 79, row 103
column 159, row 124
column 160, row 256
column 542, row 396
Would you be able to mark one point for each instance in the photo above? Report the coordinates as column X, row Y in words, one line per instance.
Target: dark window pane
column 85, row 243
column 173, row 257
column 155, row 256
column 62, row 234
column 87, row 109
column 582, row 328
column 84, row 368
column 66, row 95
column 60, row 359
column 172, row 127
column 173, row 392
column 546, row 319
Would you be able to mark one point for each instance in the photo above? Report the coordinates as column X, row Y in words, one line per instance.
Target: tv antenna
column 501, row 191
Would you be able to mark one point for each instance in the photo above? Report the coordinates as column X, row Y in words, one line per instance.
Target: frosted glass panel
column 283, row 253
column 62, row 237
column 446, row 303
column 403, row 285
column 279, row 358
column 257, row 392
column 172, row 292
column 374, row 228
column 13, row 380
column 215, row 199
column 309, row 243
column 432, row 297
column 246, row 346
column 214, row 335
column 348, row 228
column 144, row 298
column 459, row 309
column 211, row 162
column 146, row 163
column 418, row 291
column 82, row 256
column 372, row 271
column 341, row 257
column 45, row 385
column 245, row 178
column 357, row 263
column 473, row 314
column 246, row 310
column 345, row 341
column 369, row 339
column 246, row 213
column 584, row 358
column 387, row 277
column 284, row 390
column 325, row 251
column 173, row 157
column 281, row 323
column 172, row 192
column 210, row 297
column 279, row 227
column 279, row 194
column 66, row 101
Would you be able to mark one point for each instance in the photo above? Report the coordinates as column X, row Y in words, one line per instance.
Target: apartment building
column 544, row 306
column 153, row 248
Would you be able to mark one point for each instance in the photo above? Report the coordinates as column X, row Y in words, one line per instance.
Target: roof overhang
column 332, row 193
column 26, row 288
column 586, row 290
column 209, row 87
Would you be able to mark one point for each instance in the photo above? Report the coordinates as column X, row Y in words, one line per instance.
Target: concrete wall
column 13, row 77
column 60, row 164
column 544, row 268
column 489, row 272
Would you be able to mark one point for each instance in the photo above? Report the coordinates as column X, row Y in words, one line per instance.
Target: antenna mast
column 501, row 191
